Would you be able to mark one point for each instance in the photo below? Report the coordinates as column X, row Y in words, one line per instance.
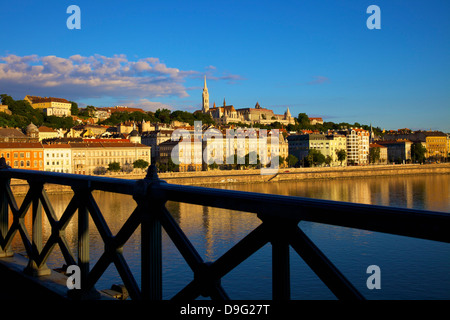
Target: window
column 28, row 154
column 22, row 154
column 28, row 163
column 22, row 163
column 16, row 164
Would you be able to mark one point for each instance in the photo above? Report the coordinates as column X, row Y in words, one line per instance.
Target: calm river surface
column 410, row 268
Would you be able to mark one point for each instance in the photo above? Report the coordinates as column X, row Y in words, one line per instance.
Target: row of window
column 22, row 154
column 110, row 153
column 24, row 164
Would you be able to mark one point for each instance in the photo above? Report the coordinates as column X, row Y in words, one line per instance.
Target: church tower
column 205, row 96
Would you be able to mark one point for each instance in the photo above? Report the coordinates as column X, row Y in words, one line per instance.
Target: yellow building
column 436, row 144
column 47, row 133
column 50, row 106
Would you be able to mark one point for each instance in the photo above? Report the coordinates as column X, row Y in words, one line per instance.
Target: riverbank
column 222, row 177
column 217, row 177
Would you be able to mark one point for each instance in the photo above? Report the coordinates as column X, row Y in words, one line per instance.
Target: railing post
column 151, row 242
column 85, row 292
column 34, row 268
column 4, row 212
column 281, row 275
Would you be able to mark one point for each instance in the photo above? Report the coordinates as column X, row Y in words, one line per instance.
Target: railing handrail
column 280, row 215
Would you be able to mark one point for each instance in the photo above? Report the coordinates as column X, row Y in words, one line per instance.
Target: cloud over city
column 98, row 76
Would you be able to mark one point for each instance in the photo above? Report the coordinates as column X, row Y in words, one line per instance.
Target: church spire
column 205, row 98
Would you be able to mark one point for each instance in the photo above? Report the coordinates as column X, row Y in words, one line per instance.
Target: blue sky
column 316, row 57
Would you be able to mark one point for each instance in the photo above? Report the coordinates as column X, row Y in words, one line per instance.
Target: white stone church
column 228, row 114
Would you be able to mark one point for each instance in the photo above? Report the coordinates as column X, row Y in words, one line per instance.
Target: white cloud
column 94, row 76
column 79, row 78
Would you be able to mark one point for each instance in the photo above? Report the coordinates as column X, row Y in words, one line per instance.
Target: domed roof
column 32, row 128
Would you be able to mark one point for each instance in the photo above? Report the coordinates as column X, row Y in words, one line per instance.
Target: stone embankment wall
column 295, row 174
column 220, row 177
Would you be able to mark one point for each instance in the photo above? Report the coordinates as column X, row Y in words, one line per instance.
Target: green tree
column 291, row 160
column 114, row 166
column 251, row 156
column 213, row 166
column 328, row 160
column 140, row 164
column 341, row 155
column 303, row 120
column 418, row 152
column 171, row 166
column 74, row 108
column 281, row 161
column 163, row 115
column 374, row 155
column 314, row 158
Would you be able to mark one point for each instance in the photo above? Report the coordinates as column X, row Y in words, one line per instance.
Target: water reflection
column 214, row 231
column 431, row 192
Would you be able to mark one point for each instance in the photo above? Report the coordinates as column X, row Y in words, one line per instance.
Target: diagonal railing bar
column 129, row 227
column 322, row 266
column 127, row 277
column 11, row 200
column 240, row 252
column 113, row 248
column 180, row 240
column 19, row 221
column 58, row 230
column 251, row 243
column 190, row 292
column 98, row 218
column 48, row 208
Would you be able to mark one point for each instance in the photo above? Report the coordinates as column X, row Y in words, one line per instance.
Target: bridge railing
column 279, row 215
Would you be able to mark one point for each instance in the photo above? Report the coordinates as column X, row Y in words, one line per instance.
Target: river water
column 409, row 268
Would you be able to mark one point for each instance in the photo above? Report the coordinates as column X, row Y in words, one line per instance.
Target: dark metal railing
column 280, row 216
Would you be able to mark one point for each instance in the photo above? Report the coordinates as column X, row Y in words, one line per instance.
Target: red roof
column 20, row 145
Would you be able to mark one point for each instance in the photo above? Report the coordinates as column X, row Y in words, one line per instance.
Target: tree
column 213, row 166
column 303, row 120
column 163, row 115
column 140, row 164
column 418, row 152
column 171, row 166
column 74, row 108
column 127, row 168
column 374, row 155
column 114, row 166
column 341, row 155
column 250, row 157
column 328, row 160
column 281, row 161
column 291, row 160
column 100, row 170
column 314, row 157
